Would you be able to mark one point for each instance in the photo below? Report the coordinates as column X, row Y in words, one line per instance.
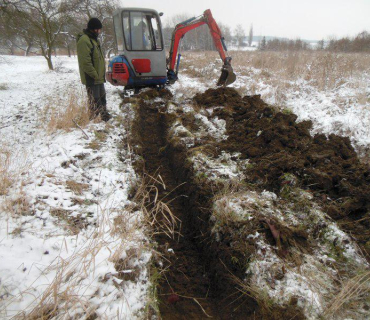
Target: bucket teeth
column 227, row 76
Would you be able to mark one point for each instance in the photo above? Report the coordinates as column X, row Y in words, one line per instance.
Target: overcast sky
column 307, row 19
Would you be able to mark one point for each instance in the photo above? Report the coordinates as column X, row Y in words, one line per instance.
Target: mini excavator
column 141, row 61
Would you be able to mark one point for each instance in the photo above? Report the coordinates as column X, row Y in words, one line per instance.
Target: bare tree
column 226, row 32
column 16, row 32
column 262, row 44
column 360, row 43
column 250, row 37
column 239, row 35
column 170, row 25
column 321, row 44
column 44, row 20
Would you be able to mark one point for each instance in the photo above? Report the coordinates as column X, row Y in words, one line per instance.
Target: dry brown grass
column 244, row 288
column 19, row 206
column 74, row 224
column 350, row 297
column 76, row 187
column 159, row 219
column 13, row 165
column 325, row 70
column 3, row 86
column 200, row 64
column 60, row 114
column 100, row 137
column 157, row 214
column 6, row 177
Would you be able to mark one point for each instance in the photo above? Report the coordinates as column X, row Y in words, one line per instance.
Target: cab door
column 143, row 42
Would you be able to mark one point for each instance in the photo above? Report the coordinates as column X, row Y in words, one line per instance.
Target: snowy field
column 66, row 190
column 62, row 192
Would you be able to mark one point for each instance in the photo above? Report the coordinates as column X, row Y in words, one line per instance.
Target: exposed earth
column 201, row 278
column 190, row 287
column 277, row 145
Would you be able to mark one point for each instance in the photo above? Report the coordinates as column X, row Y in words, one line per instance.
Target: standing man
column 91, row 63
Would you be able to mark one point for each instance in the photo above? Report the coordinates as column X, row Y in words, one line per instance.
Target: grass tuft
column 157, row 214
column 350, row 296
column 63, row 114
column 77, row 187
column 13, row 165
column 6, row 177
column 3, row 87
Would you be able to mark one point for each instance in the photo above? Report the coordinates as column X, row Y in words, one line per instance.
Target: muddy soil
column 195, row 284
column 278, row 145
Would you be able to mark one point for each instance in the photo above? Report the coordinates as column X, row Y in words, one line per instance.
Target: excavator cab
column 141, row 59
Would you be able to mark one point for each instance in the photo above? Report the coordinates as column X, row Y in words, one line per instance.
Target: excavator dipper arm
column 227, row 74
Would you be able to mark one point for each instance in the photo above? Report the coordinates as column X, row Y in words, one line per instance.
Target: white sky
column 307, row 19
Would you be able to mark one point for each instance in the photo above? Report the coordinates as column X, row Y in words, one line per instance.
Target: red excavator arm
column 227, row 74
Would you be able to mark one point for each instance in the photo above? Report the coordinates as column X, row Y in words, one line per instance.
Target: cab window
column 142, row 31
column 119, row 34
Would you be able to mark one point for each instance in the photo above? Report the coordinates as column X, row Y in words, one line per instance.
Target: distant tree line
column 42, row 26
column 360, row 43
column 283, row 45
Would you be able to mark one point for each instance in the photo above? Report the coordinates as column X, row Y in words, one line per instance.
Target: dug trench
column 192, row 286
column 198, row 281
column 199, row 278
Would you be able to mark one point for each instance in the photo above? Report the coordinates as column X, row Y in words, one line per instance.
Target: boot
column 93, row 113
column 104, row 114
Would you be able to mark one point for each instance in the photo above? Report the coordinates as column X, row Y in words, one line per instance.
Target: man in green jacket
column 91, row 63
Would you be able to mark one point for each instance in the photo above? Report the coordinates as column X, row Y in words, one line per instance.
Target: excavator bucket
column 227, row 76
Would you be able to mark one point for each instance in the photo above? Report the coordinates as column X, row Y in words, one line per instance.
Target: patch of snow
column 55, row 237
column 215, row 127
column 223, row 168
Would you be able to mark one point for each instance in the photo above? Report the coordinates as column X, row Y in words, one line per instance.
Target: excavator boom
column 227, row 74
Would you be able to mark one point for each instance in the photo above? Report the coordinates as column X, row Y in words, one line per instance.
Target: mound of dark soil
column 277, row 145
column 219, row 97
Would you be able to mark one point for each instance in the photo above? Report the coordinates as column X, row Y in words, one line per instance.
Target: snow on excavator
column 141, row 60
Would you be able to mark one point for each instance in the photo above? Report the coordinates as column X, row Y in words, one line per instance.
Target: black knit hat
column 94, row 23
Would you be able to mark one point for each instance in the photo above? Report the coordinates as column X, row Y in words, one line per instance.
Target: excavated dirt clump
column 278, row 145
column 219, row 97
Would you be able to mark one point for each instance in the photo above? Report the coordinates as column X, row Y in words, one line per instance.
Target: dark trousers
column 97, row 100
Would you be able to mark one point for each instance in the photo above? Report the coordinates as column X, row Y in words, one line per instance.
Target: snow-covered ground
column 67, row 224
column 68, row 230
